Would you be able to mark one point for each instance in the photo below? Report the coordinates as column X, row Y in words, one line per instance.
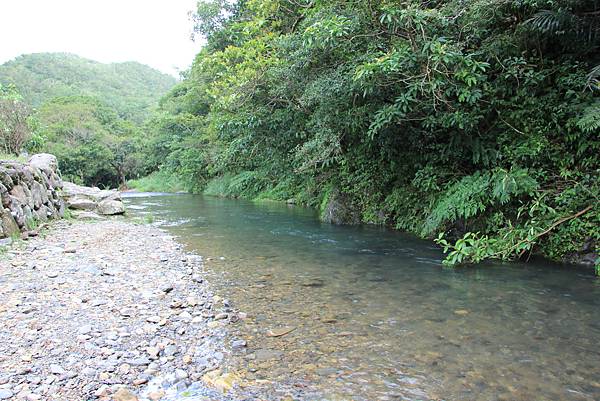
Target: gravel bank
column 110, row 310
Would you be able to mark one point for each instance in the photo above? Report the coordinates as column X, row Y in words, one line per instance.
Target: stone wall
column 30, row 194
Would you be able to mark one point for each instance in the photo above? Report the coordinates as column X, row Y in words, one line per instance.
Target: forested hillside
column 477, row 120
column 132, row 89
column 92, row 116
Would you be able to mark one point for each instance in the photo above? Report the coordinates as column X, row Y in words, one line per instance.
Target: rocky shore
column 111, row 310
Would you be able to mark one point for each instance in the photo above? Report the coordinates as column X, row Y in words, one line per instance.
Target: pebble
column 266, row 354
column 140, row 380
column 170, row 350
column 220, row 316
column 102, row 391
column 124, row 395
column 153, row 352
column 156, row 395
column 57, row 369
column 139, row 362
column 153, row 319
column 181, row 374
column 106, row 328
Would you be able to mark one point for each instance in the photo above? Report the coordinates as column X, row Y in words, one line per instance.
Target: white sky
column 152, row 32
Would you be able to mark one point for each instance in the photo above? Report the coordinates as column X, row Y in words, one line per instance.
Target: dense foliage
column 92, row 116
column 132, row 89
column 95, row 146
column 475, row 119
column 15, row 121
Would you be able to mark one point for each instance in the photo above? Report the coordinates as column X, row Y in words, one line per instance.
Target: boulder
column 95, row 194
column 81, row 203
column 339, row 209
column 111, row 207
column 91, row 199
column 45, row 162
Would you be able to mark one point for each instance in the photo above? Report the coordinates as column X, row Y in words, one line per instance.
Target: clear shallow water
column 375, row 315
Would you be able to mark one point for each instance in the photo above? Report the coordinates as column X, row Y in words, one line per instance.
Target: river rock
column 5, row 394
column 81, row 203
column 223, row 382
column 124, row 395
column 111, row 207
column 57, row 369
column 92, row 199
column 96, row 194
column 266, row 354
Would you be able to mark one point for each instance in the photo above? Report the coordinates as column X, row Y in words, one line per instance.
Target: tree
column 14, row 126
column 462, row 118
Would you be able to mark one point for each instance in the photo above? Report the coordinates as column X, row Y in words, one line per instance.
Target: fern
column 473, row 194
column 590, row 120
column 584, row 26
column 593, row 78
column 508, row 184
column 551, row 22
column 464, row 199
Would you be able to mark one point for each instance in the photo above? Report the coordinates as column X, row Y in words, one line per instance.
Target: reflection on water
column 376, row 317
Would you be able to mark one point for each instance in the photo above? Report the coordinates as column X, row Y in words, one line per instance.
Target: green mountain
column 131, row 88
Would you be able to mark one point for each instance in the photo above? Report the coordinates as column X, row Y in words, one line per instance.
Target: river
column 375, row 316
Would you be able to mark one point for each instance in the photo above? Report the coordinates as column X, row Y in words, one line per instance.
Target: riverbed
column 369, row 313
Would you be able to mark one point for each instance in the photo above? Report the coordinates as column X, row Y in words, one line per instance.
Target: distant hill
column 131, row 88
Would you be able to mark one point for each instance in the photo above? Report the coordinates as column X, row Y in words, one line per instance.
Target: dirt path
column 108, row 310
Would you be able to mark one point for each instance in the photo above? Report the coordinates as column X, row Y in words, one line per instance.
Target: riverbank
column 109, row 309
column 158, row 181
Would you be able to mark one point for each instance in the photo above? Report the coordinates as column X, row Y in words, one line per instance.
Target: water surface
column 377, row 317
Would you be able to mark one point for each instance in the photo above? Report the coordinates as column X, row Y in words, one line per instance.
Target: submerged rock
column 222, row 382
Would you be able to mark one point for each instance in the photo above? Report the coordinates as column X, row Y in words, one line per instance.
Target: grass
column 16, row 243
column 11, row 157
column 159, row 181
column 142, row 220
column 219, row 186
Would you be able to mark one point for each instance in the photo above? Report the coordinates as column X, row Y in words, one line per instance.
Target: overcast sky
column 152, row 32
